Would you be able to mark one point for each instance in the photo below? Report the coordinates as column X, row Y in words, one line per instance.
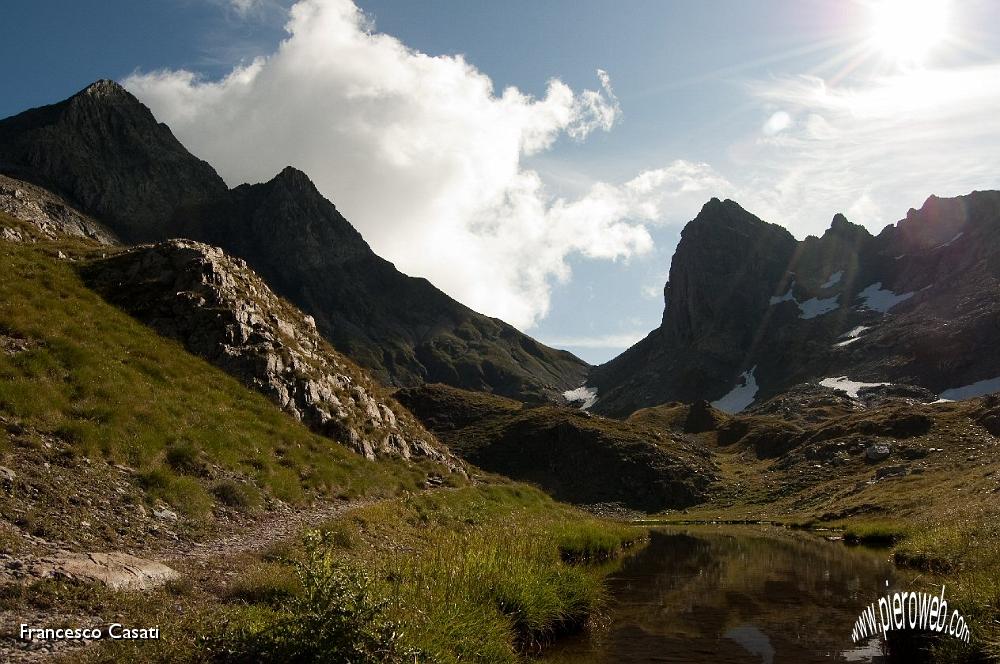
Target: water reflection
column 736, row 594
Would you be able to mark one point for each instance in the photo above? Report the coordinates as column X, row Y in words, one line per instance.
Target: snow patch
column 817, row 307
column 949, row 242
column 811, row 308
column 740, row 396
column 848, row 386
column 855, row 333
column 587, row 396
column 851, row 336
column 881, row 300
column 834, row 279
column 787, row 297
column 977, row 389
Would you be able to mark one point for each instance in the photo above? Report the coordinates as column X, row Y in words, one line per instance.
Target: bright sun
column 906, row 30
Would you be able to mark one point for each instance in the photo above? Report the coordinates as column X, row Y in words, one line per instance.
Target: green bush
column 242, row 496
column 336, row 618
column 183, row 493
column 184, row 458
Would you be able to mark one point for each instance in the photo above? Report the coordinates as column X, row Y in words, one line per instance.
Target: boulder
column 891, row 471
column 877, row 452
column 119, row 571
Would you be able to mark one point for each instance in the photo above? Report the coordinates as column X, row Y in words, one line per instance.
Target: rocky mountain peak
column 937, row 221
column 719, row 214
column 727, row 263
column 844, row 229
column 105, row 152
column 294, row 178
column 750, row 311
column 108, row 89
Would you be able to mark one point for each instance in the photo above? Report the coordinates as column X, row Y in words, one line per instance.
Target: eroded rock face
column 223, row 312
column 51, row 215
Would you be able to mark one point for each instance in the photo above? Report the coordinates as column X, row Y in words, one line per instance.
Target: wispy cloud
column 863, row 148
column 614, row 341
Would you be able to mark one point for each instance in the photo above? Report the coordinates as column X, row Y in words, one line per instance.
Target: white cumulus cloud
column 422, row 155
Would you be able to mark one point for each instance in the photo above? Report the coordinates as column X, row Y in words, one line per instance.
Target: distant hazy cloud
column 623, row 340
column 871, row 149
column 422, row 155
column 252, row 8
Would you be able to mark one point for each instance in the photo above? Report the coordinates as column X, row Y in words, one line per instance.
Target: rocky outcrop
column 223, row 312
column 118, row 571
column 575, row 456
column 105, row 152
column 750, row 309
column 49, row 214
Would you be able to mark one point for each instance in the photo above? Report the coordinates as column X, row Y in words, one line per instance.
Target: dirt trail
column 253, row 535
column 244, row 535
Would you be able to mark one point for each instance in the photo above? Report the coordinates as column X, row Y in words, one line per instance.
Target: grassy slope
column 489, row 572
column 574, row 456
column 95, row 385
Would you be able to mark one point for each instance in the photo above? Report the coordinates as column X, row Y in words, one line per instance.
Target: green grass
column 883, row 532
column 481, row 573
column 966, row 555
column 103, row 386
column 474, row 574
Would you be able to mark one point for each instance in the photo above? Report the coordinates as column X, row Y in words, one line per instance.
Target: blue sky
column 556, row 208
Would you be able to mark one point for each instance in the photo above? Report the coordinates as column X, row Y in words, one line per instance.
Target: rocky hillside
column 112, row 435
column 223, row 312
column 105, row 152
column 571, row 454
column 49, row 214
column 751, row 312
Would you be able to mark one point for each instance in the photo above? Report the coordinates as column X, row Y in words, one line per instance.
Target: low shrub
column 336, row 618
column 239, row 495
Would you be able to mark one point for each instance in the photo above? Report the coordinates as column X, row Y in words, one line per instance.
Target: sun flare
column 907, row 30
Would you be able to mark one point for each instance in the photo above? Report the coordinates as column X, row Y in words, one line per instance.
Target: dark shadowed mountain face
column 104, row 150
column 575, row 456
column 747, row 305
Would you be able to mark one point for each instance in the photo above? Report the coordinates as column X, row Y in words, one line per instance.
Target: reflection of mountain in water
column 735, row 595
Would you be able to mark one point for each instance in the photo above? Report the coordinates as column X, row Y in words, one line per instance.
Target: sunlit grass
column 468, row 575
column 480, row 574
column 107, row 387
